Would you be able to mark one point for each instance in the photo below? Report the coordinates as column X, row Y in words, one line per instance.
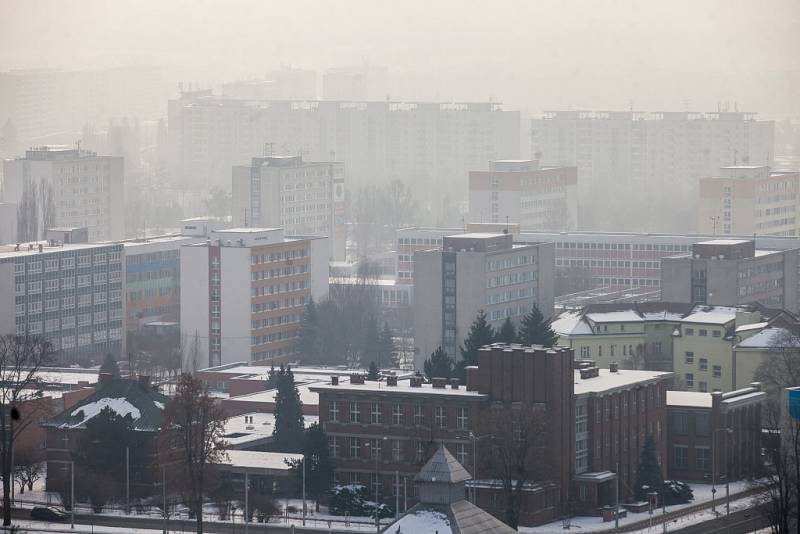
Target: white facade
column 243, row 293
column 85, row 190
column 302, row 197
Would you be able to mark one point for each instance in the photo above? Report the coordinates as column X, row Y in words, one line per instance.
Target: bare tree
column 192, row 434
column 514, row 452
column 20, row 360
column 28, row 467
column 781, row 368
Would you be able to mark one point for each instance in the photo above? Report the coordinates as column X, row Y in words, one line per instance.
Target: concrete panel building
column 72, row 188
column 729, row 272
column 475, row 272
column 243, row 294
column 302, row 197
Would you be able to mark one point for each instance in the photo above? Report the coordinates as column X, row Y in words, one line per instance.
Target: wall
column 427, row 304
column 194, row 304
column 235, row 303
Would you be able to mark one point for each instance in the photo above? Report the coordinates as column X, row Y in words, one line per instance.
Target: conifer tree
column 319, row 467
column 648, row 475
column 480, row 333
column 439, row 365
column 507, row 333
column 534, row 329
column 110, row 366
column 387, row 351
column 289, row 425
column 373, row 373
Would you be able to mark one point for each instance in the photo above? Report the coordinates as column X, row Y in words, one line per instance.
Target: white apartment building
column 473, row 272
column 632, row 163
column 427, row 144
column 68, row 187
column 302, row 197
column 749, row 200
column 71, row 294
column 243, row 293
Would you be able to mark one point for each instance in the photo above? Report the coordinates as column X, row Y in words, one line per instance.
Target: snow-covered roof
column 259, row 462
column 771, row 338
column 719, row 315
column 607, row 380
column 420, row 521
column 690, row 399
column 403, row 387
column 442, row 468
column 570, row 323
column 622, row 316
column 307, row 397
column 253, row 428
column 751, row 326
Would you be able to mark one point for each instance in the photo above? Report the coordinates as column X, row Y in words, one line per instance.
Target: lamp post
column 246, row 503
column 72, row 494
column 305, row 508
column 714, row 469
column 474, row 473
column 127, row 480
column 374, row 450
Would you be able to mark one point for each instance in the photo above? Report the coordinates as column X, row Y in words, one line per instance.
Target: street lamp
column 475, row 440
column 714, row 469
column 374, row 450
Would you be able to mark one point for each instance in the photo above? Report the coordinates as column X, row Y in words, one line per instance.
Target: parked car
column 49, row 513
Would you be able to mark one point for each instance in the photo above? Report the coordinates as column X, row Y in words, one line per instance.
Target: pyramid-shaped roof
column 444, row 468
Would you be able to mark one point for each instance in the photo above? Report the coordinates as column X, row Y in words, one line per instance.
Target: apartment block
column 538, row 198
column 376, row 140
column 635, row 167
column 70, row 294
column 730, row 272
column 67, row 187
column 600, row 259
column 474, row 272
column 750, row 200
column 302, row 197
column 246, row 289
column 715, row 437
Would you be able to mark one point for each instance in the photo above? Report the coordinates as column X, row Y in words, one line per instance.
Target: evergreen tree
column 534, row 329
column 288, row 432
column 387, row 352
column 319, row 469
column 308, row 339
column 373, row 373
column 507, row 333
column 110, row 366
column 480, row 333
column 439, row 365
column 648, row 476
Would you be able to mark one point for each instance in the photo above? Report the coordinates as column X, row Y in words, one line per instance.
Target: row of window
column 281, row 271
column 371, row 448
column 66, row 262
column 398, row 412
column 278, row 288
column 702, row 457
column 257, row 259
column 623, row 246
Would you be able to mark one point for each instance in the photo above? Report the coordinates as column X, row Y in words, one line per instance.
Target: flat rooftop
column 689, row 399
column 7, row 251
column 608, row 381
column 403, row 387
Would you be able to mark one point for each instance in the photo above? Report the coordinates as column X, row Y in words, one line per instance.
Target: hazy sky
column 539, row 54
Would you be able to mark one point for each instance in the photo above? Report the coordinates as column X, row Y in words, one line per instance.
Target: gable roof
column 125, row 396
column 443, row 468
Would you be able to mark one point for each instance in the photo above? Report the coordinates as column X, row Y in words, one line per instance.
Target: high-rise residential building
column 66, row 187
column 750, row 200
column 71, row 294
column 428, row 144
column 474, row 272
column 249, row 287
column 618, row 260
column 641, row 169
column 8, row 222
column 728, row 272
column 302, row 197
column 538, row 198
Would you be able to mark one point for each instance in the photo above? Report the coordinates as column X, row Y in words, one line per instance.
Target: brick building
column 405, row 421
column 719, row 428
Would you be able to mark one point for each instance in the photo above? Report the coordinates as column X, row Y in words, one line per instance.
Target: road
column 740, row 522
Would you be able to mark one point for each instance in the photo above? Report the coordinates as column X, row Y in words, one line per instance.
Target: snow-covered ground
column 42, row 526
column 702, row 494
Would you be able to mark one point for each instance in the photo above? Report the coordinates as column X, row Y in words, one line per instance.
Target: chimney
column 356, row 378
column 105, row 378
column 41, row 247
column 144, row 381
column 614, row 367
column 454, row 383
column 334, row 380
column 416, row 381
column 439, row 383
column 472, row 377
column 391, row 380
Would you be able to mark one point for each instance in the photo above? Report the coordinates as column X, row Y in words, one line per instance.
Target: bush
column 353, row 499
column 677, row 492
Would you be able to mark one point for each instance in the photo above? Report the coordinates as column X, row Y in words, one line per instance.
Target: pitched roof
column 125, row 396
column 461, row 517
column 444, row 468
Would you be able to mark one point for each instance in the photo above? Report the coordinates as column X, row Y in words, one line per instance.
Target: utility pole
column 72, row 495
column 616, row 499
column 127, row 480
column 164, row 494
column 246, row 504
column 304, row 490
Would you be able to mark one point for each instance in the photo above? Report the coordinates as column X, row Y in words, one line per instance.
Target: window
column 702, row 458
column 419, row 456
column 355, row 447
column 716, row 333
column 702, row 332
column 462, row 420
column 704, row 364
column 333, row 412
column 461, row 453
column 680, row 423
column 376, row 448
column 690, row 358
column 397, row 414
column 702, row 424
column 703, row 386
column 689, row 331
column 419, row 415
column 376, row 413
column 585, row 353
column 689, row 380
column 441, row 417
column 717, row 371
column 680, row 455
column 355, row 412
column 333, row 446
column 396, row 456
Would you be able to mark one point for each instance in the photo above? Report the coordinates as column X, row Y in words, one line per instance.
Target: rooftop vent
column 439, row 383
column 591, row 372
column 334, row 380
column 614, row 367
column 416, row 381
column 391, row 380
column 454, row 382
column 356, row 378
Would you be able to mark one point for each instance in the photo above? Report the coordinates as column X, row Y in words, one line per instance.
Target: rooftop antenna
column 506, row 223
